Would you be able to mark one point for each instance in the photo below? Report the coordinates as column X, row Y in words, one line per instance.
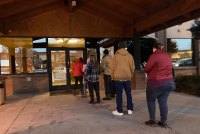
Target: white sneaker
column 130, row 112
column 117, row 113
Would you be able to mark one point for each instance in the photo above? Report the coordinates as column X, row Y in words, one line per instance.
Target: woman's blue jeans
column 160, row 93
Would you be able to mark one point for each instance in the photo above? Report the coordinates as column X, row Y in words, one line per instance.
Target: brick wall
column 26, row 83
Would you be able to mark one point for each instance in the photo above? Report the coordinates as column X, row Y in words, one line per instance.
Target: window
column 4, row 60
column 180, row 51
column 28, row 55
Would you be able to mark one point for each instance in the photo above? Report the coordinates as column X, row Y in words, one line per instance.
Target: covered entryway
column 60, row 62
column 89, row 19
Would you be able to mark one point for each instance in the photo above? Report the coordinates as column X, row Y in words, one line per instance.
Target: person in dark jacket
column 159, row 85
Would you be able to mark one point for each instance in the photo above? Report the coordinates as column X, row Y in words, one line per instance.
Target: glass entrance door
column 74, row 56
column 60, row 64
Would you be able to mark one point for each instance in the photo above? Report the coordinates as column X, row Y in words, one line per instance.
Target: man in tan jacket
column 106, row 65
column 122, row 71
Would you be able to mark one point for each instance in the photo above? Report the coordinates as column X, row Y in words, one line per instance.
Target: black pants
column 80, row 80
column 109, row 86
column 94, row 86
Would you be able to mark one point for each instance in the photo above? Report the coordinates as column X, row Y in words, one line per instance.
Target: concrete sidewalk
column 68, row 114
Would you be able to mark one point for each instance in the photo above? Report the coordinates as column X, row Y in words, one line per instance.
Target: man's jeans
column 161, row 93
column 127, row 87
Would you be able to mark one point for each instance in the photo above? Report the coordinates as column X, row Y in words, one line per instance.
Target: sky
column 40, row 49
column 183, row 44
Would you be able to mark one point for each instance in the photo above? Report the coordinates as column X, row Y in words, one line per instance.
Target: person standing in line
column 92, row 73
column 105, row 66
column 159, row 84
column 123, row 68
column 85, row 80
column 77, row 71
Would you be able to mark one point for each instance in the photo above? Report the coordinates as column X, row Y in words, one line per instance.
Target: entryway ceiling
column 26, row 42
column 92, row 18
column 16, row 42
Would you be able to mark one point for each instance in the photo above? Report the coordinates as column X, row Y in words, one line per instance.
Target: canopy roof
column 92, row 18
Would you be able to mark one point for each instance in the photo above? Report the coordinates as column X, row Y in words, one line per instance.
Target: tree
column 171, row 46
column 195, row 29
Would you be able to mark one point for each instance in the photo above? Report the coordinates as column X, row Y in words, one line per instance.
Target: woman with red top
column 159, row 85
column 77, row 71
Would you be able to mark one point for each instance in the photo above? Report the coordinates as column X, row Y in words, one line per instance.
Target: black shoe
column 98, row 101
column 91, row 102
column 150, row 123
column 112, row 96
column 106, row 98
column 162, row 124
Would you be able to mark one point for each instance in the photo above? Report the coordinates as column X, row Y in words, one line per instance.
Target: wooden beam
column 105, row 9
column 162, row 3
column 177, row 21
column 2, row 2
column 188, row 15
column 181, row 19
column 19, row 6
column 101, row 13
column 2, row 29
column 32, row 12
column 111, row 20
column 167, row 24
column 129, row 4
column 180, row 8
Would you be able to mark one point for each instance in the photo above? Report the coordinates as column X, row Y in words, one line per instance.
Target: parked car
column 183, row 62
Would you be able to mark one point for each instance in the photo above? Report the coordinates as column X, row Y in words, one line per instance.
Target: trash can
column 2, row 95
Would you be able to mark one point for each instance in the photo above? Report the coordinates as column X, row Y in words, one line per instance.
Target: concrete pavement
column 68, row 114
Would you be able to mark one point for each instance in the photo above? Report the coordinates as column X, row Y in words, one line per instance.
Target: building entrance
column 60, row 62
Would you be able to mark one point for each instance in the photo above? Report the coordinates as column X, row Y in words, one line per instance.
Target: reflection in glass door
column 74, row 56
column 58, row 65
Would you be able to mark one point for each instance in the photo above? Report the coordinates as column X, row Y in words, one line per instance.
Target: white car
column 183, row 62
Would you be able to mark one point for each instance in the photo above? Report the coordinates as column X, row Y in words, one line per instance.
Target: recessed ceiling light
column 73, row 41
